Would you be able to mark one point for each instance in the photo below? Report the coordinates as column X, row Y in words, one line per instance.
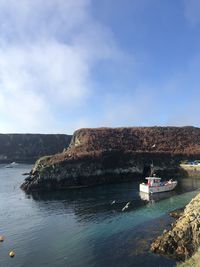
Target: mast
column 152, row 166
column 152, row 169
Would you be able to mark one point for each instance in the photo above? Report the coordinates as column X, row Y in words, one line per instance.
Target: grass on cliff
column 194, row 261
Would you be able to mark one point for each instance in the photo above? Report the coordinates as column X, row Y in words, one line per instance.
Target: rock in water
column 176, row 213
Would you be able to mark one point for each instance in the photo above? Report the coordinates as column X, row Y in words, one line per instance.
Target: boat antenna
column 152, row 169
column 152, row 166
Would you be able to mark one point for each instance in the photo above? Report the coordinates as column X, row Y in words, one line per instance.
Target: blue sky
column 68, row 64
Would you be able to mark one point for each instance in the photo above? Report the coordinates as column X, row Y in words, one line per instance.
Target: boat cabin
column 153, row 181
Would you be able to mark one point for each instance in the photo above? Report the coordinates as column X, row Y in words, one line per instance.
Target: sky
column 68, row 64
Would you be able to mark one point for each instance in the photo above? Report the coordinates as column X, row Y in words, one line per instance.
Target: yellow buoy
column 12, row 254
column 1, row 238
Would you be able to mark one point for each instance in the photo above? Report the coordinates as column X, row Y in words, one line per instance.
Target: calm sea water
column 78, row 228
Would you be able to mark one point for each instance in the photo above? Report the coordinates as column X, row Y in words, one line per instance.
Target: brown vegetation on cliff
column 94, row 141
column 139, row 139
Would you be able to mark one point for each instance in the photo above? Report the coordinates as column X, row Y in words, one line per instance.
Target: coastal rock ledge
column 110, row 155
column 184, row 237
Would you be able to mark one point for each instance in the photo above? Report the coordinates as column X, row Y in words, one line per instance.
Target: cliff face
column 29, row 147
column 105, row 155
column 184, row 237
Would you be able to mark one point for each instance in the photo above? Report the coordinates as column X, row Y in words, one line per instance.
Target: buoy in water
column 12, row 254
column 1, row 238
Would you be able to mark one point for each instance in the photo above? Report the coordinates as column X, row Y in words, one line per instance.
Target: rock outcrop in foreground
column 27, row 148
column 194, row 261
column 108, row 155
column 184, row 238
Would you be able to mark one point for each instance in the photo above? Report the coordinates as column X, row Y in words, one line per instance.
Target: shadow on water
column 93, row 202
column 121, row 193
column 100, row 202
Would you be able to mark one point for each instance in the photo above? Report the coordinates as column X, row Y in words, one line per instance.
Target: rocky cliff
column 184, row 237
column 106, row 155
column 29, row 147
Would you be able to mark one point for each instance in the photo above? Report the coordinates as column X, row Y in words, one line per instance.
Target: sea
column 84, row 227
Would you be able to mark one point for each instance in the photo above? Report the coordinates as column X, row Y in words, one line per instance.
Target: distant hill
column 27, row 148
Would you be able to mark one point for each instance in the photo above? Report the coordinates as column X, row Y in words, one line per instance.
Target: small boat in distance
column 154, row 185
column 11, row 165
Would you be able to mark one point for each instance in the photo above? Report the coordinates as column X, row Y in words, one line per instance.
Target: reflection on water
column 157, row 196
column 84, row 227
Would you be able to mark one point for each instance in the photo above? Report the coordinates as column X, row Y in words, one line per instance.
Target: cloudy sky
column 68, row 64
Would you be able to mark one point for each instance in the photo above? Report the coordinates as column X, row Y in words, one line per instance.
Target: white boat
column 154, row 185
column 11, row 165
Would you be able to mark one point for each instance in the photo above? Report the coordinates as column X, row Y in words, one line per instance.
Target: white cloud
column 40, row 19
column 47, row 52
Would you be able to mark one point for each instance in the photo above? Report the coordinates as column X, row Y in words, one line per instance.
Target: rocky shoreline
column 113, row 155
column 183, row 239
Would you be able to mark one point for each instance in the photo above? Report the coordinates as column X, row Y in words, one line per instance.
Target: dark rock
column 176, row 213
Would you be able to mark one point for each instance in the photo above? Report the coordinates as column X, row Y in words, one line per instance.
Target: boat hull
column 158, row 189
